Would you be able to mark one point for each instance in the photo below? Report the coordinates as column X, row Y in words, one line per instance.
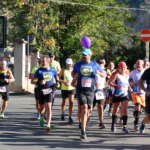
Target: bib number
column 47, row 91
column 86, row 82
column 99, row 95
column 2, row 89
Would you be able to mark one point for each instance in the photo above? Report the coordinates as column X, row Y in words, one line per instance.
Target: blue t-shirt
column 48, row 75
column 86, row 74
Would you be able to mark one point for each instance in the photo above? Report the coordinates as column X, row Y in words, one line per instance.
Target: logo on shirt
column 86, row 70
column 47, row 76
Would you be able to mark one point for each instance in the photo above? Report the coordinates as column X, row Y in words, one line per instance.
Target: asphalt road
column 21, row 131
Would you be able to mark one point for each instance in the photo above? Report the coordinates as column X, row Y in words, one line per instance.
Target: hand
column 57, row 85
column 43, row 82
column 147, row 93
column 6, row 80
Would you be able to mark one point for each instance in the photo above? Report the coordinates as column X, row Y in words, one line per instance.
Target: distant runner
column 6, row 77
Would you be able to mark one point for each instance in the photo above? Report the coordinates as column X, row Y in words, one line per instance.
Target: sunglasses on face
column 84, row 55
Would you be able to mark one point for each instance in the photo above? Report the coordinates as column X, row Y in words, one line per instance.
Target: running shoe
column 142, row 128
column 62, row 117
column 83, row 135
column 2, row 116
column 79, row 125
column 101, row 126
column 136, row 128
column 113, row 128
column 106, row 108
column 48, row 126
column 38, row 116
column 70, row 120
column 42, row 123
column 125, row 130
column 109, row 114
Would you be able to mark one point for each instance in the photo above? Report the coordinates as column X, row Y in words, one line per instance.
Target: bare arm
column 11, row 77
column 112, row 80
column 141, row 85
column 75, row 78
column 102, row 74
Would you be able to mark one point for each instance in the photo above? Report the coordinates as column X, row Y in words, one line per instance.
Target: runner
column 100, row 93
column 36, row 94
column 55, row 65
column 44, row 77
column 138, row 95
column 6, row 77
column 110, row 89
column 84, row 74
column 145, row 78
column 121, row 84
column 67, row 90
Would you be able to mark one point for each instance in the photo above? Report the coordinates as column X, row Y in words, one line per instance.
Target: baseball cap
column 122, row 64
column 69, row 61
column 86, row 51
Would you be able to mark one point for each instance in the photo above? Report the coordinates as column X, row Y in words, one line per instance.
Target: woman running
column 121, row 84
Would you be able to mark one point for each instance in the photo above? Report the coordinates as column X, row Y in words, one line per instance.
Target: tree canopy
column 57, row 26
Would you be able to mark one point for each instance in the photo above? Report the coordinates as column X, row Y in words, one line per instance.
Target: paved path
column 20, row 131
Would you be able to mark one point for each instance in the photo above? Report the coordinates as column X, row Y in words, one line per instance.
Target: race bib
column 3, row 89
column 86, row 82
column 47, row 91
column 99, row 95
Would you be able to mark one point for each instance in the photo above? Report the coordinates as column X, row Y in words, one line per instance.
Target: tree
column 58, row 27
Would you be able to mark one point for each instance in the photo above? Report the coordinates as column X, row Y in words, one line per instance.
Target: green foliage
column 58, row 27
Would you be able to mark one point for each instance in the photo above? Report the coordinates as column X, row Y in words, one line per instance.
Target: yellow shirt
column 67, row 77
column 55, row 64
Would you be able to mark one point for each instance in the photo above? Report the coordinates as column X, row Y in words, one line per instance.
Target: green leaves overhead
column 58, row 26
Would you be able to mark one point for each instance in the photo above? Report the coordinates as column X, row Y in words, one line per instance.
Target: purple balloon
column 86, row 42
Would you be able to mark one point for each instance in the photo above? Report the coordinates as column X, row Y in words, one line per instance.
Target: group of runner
column 109, row 88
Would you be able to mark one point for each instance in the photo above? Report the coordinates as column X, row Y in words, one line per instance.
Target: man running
column 137, row 94
column 99, row 92
column 44, row 77
column 84, row 74
column 145, row 78
column 6, row 77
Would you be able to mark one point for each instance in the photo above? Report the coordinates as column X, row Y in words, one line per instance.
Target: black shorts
column 86, row 97
column 5, row 96
column 117, row 99
column 45, row 98
column 36, row 93
column 109, row 93
column 67, row 93
column 147, row 104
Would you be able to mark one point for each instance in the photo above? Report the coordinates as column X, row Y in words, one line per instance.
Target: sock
column 124, row 118
column 114, row 119
column 136, row 116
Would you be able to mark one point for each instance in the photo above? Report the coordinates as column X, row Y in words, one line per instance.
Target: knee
column 84, row 109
